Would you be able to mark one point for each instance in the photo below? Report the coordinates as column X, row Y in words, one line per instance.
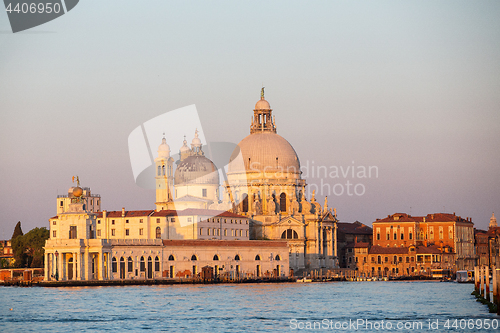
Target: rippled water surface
column 236, row 308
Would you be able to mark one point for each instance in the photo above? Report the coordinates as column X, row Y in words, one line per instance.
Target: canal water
column 338, row 306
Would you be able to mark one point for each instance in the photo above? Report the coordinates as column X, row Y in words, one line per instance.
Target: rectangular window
column 141, row 232
column 410, row 236
column 190, row 219
column 112, row 221
column 112, row 232
column 225, row 232
column 402, row 236
column 201, row 231
column 126, row 221
column 208, row 231
column 172, row 219
column 378, row 236
column 54, row 222
column 127, row 232
column 140, row 220
column 98, row 232
column 61, row 203
column 204, row 192
column 241, row 232
column 98, row 221
column 157, row 220
column 232, row 232
column 388, row 236
column 395, row 236
column 72, row 232
column 54, row 234
column 246, row 233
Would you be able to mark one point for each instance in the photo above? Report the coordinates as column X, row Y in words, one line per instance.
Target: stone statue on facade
column 306, row 206
column 257, row 205
column 271, row 206
column 295, row 206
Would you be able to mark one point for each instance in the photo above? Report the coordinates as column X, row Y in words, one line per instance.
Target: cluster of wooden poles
column 482, row 284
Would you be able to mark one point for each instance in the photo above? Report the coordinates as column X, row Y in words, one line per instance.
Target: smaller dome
column 196, row 140
column 196, row 169
column 184, row 147
column 262, row 104
column 77, row 191
column 164, row 149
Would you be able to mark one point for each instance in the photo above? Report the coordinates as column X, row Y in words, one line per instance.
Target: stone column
column 86, row 265
column 46, row 267
column 335, row 240
column 61, row 266
column 100, row 265
column 79, row 265
column 74, row 266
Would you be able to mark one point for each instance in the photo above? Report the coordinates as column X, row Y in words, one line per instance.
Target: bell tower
column 164, row 177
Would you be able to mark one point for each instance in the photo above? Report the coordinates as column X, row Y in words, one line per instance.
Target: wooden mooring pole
column 476, row 279
column 487, row 282
column 494, row 284
column 481, row 286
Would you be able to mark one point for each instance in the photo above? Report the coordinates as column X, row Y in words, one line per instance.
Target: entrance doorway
column 172, row 271
column 258, row 271
column 122, row 268
column 150, row 268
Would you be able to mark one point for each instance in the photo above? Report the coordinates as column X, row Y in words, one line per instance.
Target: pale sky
column 412, row 88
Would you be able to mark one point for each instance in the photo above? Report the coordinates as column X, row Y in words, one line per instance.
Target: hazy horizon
column 410, row 88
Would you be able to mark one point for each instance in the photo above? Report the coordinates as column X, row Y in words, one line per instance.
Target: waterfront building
column 482, row 247
column 348, row 235
column 6, row 253
column 449, row 233
column 179, row 238
column 265, row 184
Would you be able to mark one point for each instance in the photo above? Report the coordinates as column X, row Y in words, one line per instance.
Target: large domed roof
column 196, row 169
column 264, row 151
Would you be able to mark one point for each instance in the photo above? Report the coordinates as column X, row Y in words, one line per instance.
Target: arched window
column 114, row 266
column 193, row 257
column 244, row 205
column 237, row 257
column 171, row 257
column 163, row 170
column 158, row 232
column 257, row 257
column 159, row 170
column 283, row 202
column 289, row 234
column 216, row 257
column 130, row 265
column 143, row 265
column 157, row 264
column 277, row 257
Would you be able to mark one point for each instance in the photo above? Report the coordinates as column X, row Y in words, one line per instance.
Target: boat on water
column 304, row 280
column 465, row 276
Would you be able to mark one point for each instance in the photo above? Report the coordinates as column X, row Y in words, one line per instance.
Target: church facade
column 264, row 183
column 259, row 223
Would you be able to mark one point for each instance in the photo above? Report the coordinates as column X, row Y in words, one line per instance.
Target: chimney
column 123, row 211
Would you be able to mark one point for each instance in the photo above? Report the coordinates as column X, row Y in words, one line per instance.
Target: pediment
column 289, row 221
column 328, row 217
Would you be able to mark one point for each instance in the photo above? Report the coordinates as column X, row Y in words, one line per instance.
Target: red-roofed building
column 448, row 232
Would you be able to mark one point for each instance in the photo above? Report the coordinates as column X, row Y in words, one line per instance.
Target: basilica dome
column 196, row 169
column 264, row 151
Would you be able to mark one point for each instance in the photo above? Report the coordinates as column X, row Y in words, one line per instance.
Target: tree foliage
column 17, row 231
column 28, row 249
